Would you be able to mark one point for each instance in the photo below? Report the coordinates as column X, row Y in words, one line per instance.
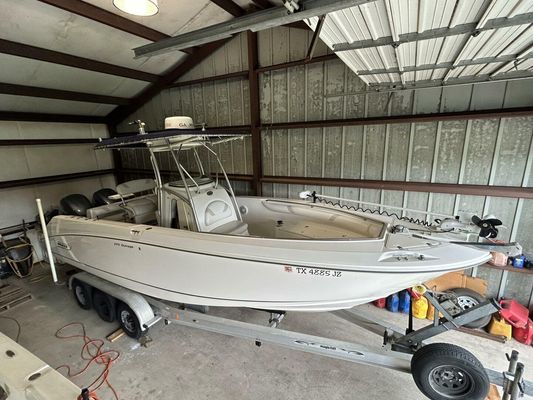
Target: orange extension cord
column 93, row 353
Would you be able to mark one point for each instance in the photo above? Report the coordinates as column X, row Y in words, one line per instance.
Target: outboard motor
column 75, row 204
column 101, row 197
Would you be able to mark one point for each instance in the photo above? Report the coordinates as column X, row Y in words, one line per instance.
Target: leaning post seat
column 140, row 209
column 75, row 204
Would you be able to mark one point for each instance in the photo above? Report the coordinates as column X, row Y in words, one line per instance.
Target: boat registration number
column 318, row 272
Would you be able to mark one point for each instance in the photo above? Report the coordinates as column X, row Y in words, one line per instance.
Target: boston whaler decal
column 129, row 246
column 64, row 246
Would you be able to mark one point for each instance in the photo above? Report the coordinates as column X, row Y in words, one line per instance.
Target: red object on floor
column 380, row 303
column 524, row 335
column 514, row 313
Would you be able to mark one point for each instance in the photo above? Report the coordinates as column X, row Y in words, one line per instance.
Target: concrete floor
column 188, row 363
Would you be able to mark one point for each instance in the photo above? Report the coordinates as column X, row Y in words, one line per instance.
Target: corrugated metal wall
column 491, row 151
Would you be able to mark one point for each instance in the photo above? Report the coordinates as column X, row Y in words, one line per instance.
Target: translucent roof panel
column 417, row 40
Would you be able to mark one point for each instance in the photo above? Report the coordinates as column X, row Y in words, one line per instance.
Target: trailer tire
column 444, row 371
column 128, row 321
column 104, row 305
column 82, row 294
column 467, row 298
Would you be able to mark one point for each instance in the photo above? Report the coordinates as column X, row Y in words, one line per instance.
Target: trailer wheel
column 466, row 299
column 82, row 294
column 128, row 321
column 444, row 371
column 104, row 306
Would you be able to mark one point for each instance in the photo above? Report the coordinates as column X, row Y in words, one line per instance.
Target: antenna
column 140, row 126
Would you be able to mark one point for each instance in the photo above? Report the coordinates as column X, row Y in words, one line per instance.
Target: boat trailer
column 440, row 370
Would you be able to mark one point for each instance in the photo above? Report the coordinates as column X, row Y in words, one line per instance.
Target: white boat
column 193, row 241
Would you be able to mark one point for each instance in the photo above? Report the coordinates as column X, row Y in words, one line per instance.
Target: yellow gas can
column 498, row 326
column 420, row 307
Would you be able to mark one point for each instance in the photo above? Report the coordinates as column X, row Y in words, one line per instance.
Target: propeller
column 487, row 225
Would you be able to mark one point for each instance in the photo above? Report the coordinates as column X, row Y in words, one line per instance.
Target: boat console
column 200, row 204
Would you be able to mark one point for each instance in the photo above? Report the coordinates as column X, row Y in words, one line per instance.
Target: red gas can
column 514, row 313
column 380, row 302
column 525, row 334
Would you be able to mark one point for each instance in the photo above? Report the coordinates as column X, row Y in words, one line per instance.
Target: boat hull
column 221, row 270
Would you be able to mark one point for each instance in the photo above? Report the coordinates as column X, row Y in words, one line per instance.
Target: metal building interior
column 425, row 105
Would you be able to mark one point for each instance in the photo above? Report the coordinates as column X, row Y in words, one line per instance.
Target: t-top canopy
column 160, row 140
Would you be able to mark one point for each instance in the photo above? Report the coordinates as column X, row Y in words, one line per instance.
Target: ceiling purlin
column 110, row 19
column 56, row 57
column 231, row 7
column 34, row 91
column 48, row 117
column 262, row 3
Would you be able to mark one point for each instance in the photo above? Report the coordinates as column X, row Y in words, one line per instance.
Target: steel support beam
column 464, row 29
column 464, row 80
column 445, row 65
column 44, row 117
column 45, row 142
column 56, row 57
column 33, row 91
column 108, row 18
column 230, row 7
column 210, row 79
column 296, row 63
column 262, row 3
column 401, row 119
column 167, row 172
column 426, row 187
column 255, row 118
column 398, row 119
column 52, row 179
column 316, row 37
column 264, row 19
column 258, row 70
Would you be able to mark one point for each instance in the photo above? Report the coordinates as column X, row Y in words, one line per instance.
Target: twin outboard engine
column 101, row 197
column 75, row 204
column 78, row 204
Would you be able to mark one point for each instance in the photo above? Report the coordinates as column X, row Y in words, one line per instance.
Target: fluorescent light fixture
column 142, row 8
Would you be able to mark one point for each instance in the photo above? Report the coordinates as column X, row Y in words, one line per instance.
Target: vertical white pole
column 46, row 240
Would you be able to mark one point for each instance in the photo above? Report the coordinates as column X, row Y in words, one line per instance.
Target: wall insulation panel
column 23, row 162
